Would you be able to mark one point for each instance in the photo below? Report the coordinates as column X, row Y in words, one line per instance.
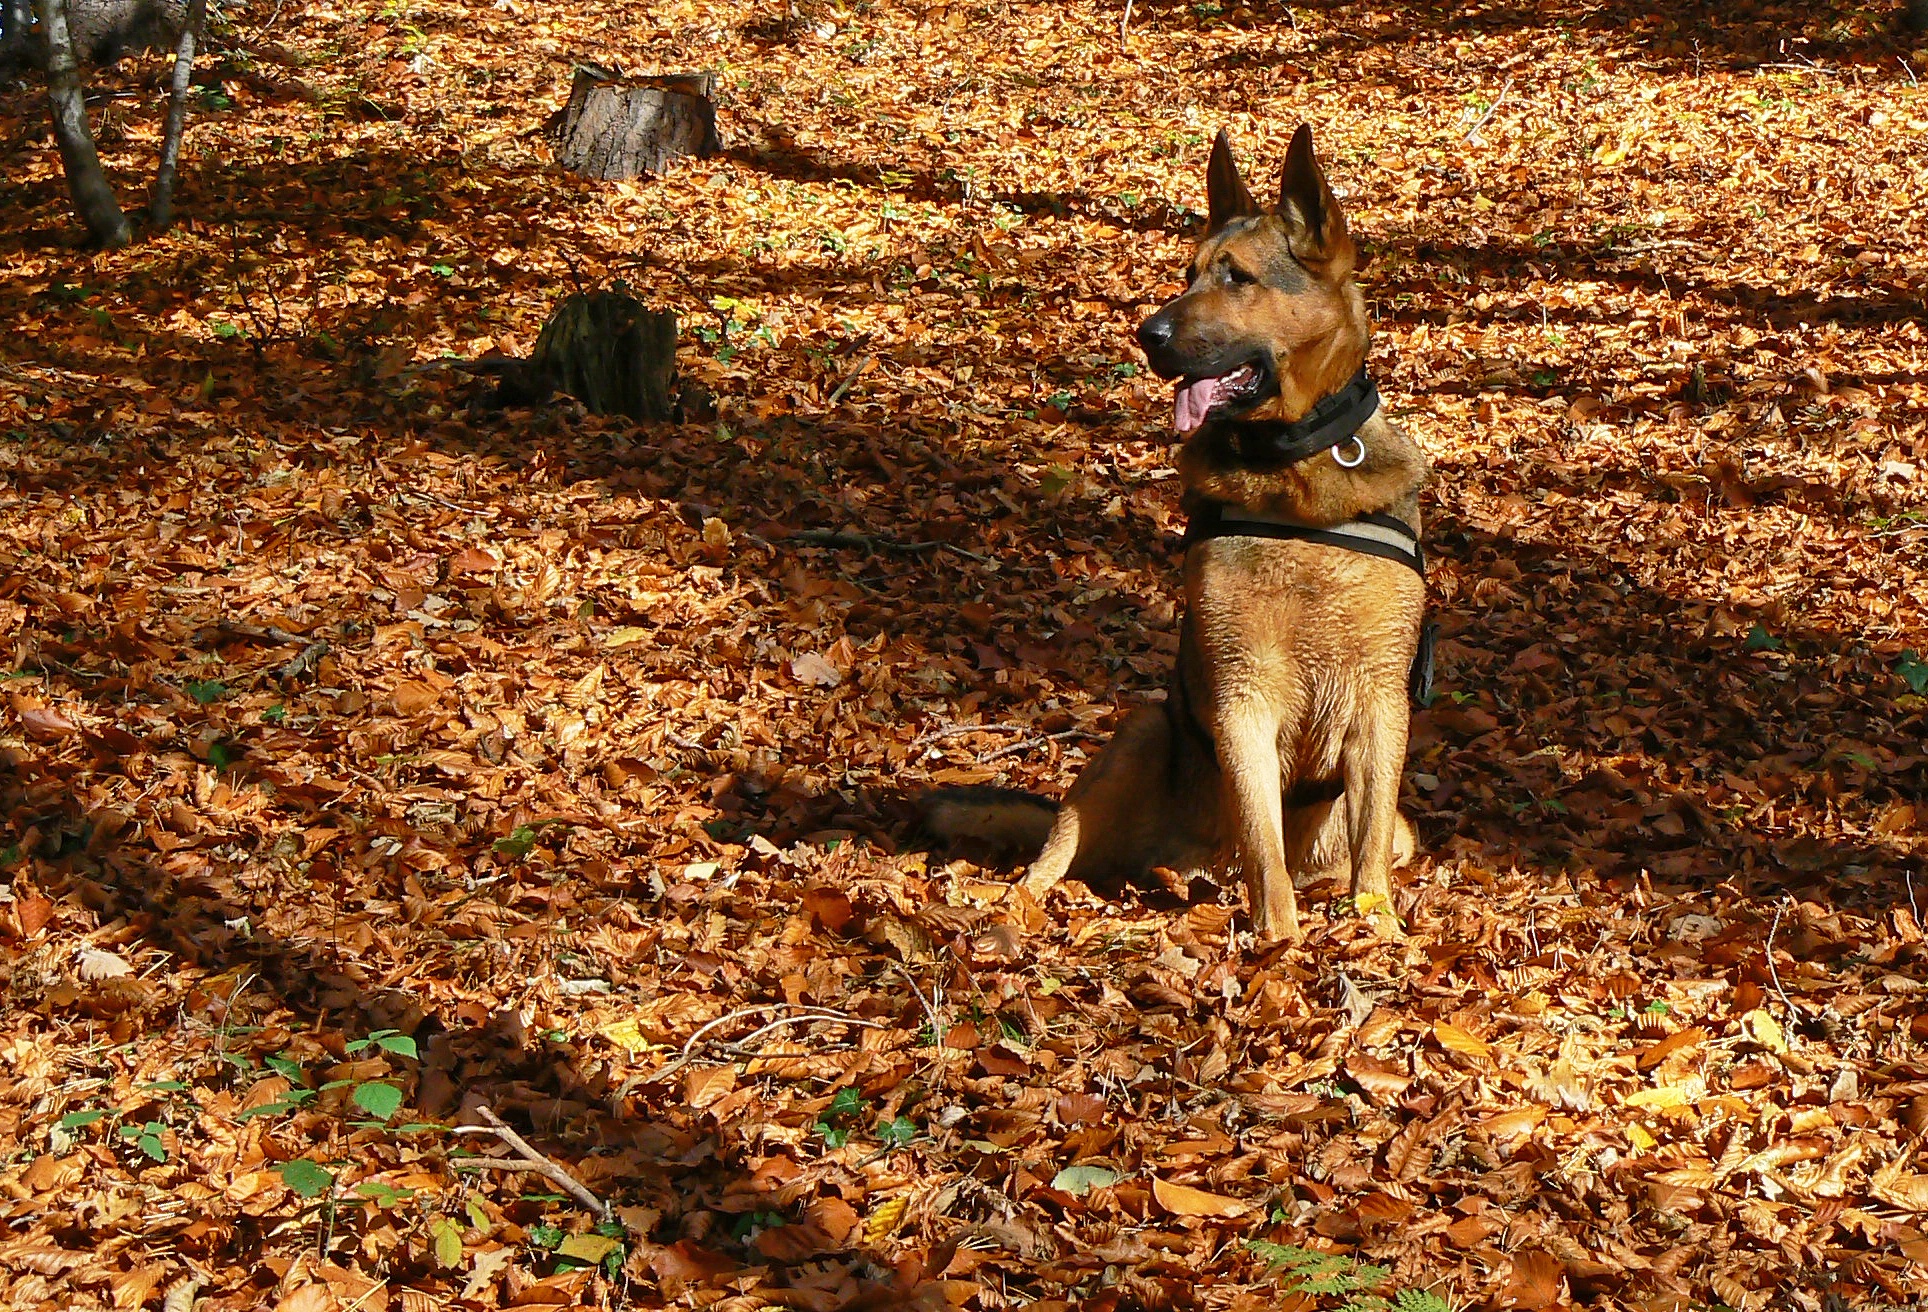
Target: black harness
column 1274, row 444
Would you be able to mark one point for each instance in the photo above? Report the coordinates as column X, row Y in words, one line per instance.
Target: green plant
column 1914, row 672
column 833, row 1124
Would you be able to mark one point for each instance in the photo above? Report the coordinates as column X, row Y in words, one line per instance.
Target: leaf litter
column 374, row 761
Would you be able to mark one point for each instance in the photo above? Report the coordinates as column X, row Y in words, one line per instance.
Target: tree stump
column 609, row 352
column 618, row 127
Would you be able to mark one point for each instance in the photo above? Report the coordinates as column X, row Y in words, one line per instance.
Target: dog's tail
column 1005, row 818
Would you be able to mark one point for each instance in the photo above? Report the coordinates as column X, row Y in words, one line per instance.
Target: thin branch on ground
column 930, row 1008
column 531, row 1160
column 959, row 730
column 1018, row 748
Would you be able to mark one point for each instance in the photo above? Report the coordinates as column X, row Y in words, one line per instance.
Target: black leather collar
column 1271, row 443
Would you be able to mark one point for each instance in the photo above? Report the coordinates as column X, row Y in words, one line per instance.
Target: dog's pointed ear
column 1225, row 191
column 1305, row 197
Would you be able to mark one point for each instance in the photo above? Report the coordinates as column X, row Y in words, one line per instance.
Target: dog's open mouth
column 1198, row 398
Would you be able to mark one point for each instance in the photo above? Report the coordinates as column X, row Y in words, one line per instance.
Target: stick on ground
column 529, row 1160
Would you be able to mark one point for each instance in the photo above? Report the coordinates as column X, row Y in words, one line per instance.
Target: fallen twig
column 1773, row 973
column 1014, row 749
column 825, row 537
column 930, row 1009
column 849, row 378
column 1491, row 110
column 259, row 632
column 687, row 1055
column 959, row 730
column 309, row 658
column 531, row 1160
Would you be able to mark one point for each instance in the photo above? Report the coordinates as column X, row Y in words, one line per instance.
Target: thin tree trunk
column 16, row 23
column 161, row 210
column 67, row 99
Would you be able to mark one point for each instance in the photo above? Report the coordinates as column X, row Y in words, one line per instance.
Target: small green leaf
column 74, row 1120
column 165, row 1086
column 286, row 1067
column 847, row 1102
column 448, row 1241
column 1913, row 672
column 378, row 1099
column 1759, row 639
column 275, row 714
column 478, row 1213
column 222, row 755
column 151, row 1144
column 546, row 1236
column 206, row 691
column 1081, row 1180
column 519, row 842
column 897, row 1132
column 400, row 1044
column 306, row 1178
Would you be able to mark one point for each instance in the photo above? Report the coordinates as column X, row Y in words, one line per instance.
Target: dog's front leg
column 1248, row 754
column 1374, row 754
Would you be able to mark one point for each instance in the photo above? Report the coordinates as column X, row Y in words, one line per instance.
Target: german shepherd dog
column 1280, row 744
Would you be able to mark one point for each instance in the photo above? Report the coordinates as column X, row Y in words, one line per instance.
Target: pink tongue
column 1195, row 401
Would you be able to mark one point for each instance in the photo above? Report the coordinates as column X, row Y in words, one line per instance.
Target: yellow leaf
column 626, row 1034
column 448, row 1241
column 1760, row 1026
column 587, row 1248
column 1667, row 1095
column 1367, row 903
column 1639, row 1138
column 883, row 1218
column 1455, row 1039
column 1183, row 1200
column 626, row 636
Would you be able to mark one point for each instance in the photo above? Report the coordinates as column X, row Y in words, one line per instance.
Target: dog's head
column 1271, row 321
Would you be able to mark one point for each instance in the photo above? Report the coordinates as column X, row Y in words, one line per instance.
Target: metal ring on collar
column 1359, row 457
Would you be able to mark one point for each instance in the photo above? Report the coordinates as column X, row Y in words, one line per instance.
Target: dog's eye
column 1238, row 277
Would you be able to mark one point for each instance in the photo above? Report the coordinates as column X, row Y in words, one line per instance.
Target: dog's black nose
column 1155, row 333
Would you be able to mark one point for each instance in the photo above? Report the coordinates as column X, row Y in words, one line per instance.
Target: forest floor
column 371, row 758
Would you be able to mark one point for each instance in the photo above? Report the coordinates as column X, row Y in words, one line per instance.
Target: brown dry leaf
column 1535, row 1282
column 316, row 1297
column 1679, row 1041
column 97, row 964
column 32, row 914
column 131, row 1289
column 413, row 697
column 1454, row 1039
column 1183, row 1200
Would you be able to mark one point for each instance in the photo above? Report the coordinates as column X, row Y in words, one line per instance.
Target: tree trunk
column 16, row 25
column 617, row 127
column 161, row 209
column 93, row 198
column 609, row 352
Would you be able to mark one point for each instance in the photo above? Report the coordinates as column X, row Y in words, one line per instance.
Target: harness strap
column 1374, row 534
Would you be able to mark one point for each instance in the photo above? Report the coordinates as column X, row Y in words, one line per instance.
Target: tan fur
column 1291, row 684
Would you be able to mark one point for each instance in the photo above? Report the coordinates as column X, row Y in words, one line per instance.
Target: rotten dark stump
column 619, row 127
column 605, row 349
